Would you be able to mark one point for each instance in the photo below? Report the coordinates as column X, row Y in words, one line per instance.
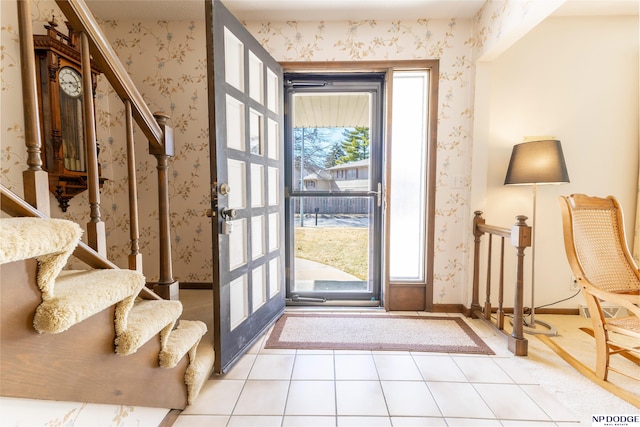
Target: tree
column 355, row 145
column 335, row 154
column 316, row 145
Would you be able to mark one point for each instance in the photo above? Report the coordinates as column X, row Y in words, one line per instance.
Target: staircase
column 87, row 336
column 98, row 335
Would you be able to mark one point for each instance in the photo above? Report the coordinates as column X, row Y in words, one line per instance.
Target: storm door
column 247, row 179
column 333, row 152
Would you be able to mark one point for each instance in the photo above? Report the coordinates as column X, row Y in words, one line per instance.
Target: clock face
column 70, row 82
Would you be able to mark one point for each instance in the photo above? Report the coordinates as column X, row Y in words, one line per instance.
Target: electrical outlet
column 573, row 285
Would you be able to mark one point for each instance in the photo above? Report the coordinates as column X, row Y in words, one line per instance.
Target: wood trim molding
column 361, row 66
column 389, row 67
column 196, row 285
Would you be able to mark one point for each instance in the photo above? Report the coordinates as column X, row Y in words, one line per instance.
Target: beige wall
column 575, row 79
column 167, row 62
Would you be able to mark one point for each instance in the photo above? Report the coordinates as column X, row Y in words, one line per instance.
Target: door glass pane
column 258, row 288
column 273, row 139
column 237, row 182
column 274, row 231
column 235, row 124
column 255, row 132
column 274, row 174
column 255, row 77
column 237, row 244
column 257, row 237
column 238, row 301
column 257, row 185
column 331, row 244
column 272, row 90
column 408, row 176
column 274, row 276
column 331, row 142
column 234, row 60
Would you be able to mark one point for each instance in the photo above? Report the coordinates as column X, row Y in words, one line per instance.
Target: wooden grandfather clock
column 60, row 104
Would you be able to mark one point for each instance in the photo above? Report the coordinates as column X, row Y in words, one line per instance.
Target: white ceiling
column 329, row 10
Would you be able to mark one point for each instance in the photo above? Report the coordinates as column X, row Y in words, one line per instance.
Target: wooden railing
column 520, row 237
column 95, row 48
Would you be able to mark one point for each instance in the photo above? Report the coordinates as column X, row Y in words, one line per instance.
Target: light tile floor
column 363, row 388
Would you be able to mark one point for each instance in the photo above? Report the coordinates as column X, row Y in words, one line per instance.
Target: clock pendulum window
column 73, row 155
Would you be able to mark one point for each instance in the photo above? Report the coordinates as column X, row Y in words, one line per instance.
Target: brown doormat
column 375, row 332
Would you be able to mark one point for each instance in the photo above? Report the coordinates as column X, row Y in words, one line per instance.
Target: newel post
column 477, row 234
column 521, row 239
column 166, row 287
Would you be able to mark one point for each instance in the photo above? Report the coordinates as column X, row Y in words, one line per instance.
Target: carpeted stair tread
column 81, row 294
column 50, row 241
column 24, row 238
column 202, row 360
column 180, row 341
column 146, row 319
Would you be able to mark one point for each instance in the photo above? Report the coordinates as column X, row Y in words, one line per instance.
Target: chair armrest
column 629, row 301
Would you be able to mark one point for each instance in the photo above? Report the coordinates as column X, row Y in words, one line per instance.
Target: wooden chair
column 599, row 257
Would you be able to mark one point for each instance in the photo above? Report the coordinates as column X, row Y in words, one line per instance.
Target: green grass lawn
column 344, row 248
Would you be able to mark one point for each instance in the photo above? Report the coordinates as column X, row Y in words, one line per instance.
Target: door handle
column 224, row 189
column 227, row 213
column 378, row 194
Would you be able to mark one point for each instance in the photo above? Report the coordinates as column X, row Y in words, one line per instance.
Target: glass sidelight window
column 408, row 169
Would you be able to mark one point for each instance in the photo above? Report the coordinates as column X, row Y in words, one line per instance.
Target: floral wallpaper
column 167, row 62
column 447, row 40
column 498, row 24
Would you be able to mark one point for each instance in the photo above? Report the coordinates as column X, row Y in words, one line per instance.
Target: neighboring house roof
column 357, row 163
column 320, row 175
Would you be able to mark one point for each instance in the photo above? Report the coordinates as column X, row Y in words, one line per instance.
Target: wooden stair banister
column 81, row 19
column 520, row 238
column 96, row 230
column 13, row 205
column 95, row 47
column 135, row 257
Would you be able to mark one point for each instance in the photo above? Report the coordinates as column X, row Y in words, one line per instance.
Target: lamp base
column 547, row 329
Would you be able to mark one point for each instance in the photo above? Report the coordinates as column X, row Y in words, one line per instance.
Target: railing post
column 166, row 287
column 487, row 299
column 521, row 239
column 477, row 234
column 35, row 180
column 500, row 310
column 96, row 231
column 135, row 257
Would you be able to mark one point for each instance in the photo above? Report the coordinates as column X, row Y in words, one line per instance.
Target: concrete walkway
column 307, row 272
